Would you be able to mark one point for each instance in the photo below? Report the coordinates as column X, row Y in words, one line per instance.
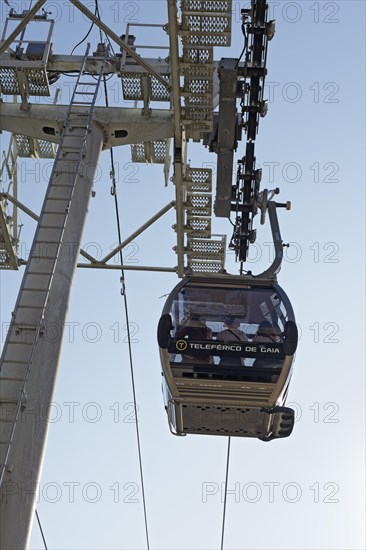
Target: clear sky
column 304, row 492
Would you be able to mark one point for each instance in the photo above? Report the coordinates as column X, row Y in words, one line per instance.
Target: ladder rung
column 11, row 379
column 39, row 272
column 85, row 93
column 49, row 242
column 57, row 199
column 34, row 289
column 63, row 173
column 52, row 226
column 15, row 362
column 74, row 149
column 72, row 135
column 18, row 326
column 53, row 211
column 30, row 307
column 8, row 421
column 71, row 149
column 38, row 257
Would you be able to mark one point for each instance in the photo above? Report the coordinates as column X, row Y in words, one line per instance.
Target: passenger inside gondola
column 267, row 333
column 232, row 333
column 194, row 328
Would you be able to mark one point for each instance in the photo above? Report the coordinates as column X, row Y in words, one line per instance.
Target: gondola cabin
column 227, row 346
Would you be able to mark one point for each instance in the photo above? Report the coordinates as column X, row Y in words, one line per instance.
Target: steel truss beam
column 137, row 232
column 19, row 205
column 35, row 217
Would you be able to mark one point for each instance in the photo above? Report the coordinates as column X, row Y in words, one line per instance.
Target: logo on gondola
column 181, row 345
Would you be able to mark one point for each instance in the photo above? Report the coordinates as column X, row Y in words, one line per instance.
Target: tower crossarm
column 120, row 126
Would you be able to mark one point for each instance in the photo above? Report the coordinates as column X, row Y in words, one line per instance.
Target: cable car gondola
column 227, row 342
column 227, row 345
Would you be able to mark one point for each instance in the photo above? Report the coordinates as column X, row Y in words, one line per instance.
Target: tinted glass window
column 252, row 315
column 214, row 306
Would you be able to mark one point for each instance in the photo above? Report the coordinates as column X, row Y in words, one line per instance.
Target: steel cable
column 123, row 292
column 40, row 528
column 226, row 480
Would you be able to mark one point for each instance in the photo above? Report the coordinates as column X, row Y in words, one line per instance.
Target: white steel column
column 30, row 356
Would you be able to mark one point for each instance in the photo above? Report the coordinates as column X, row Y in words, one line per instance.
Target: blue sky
column 305, row 492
